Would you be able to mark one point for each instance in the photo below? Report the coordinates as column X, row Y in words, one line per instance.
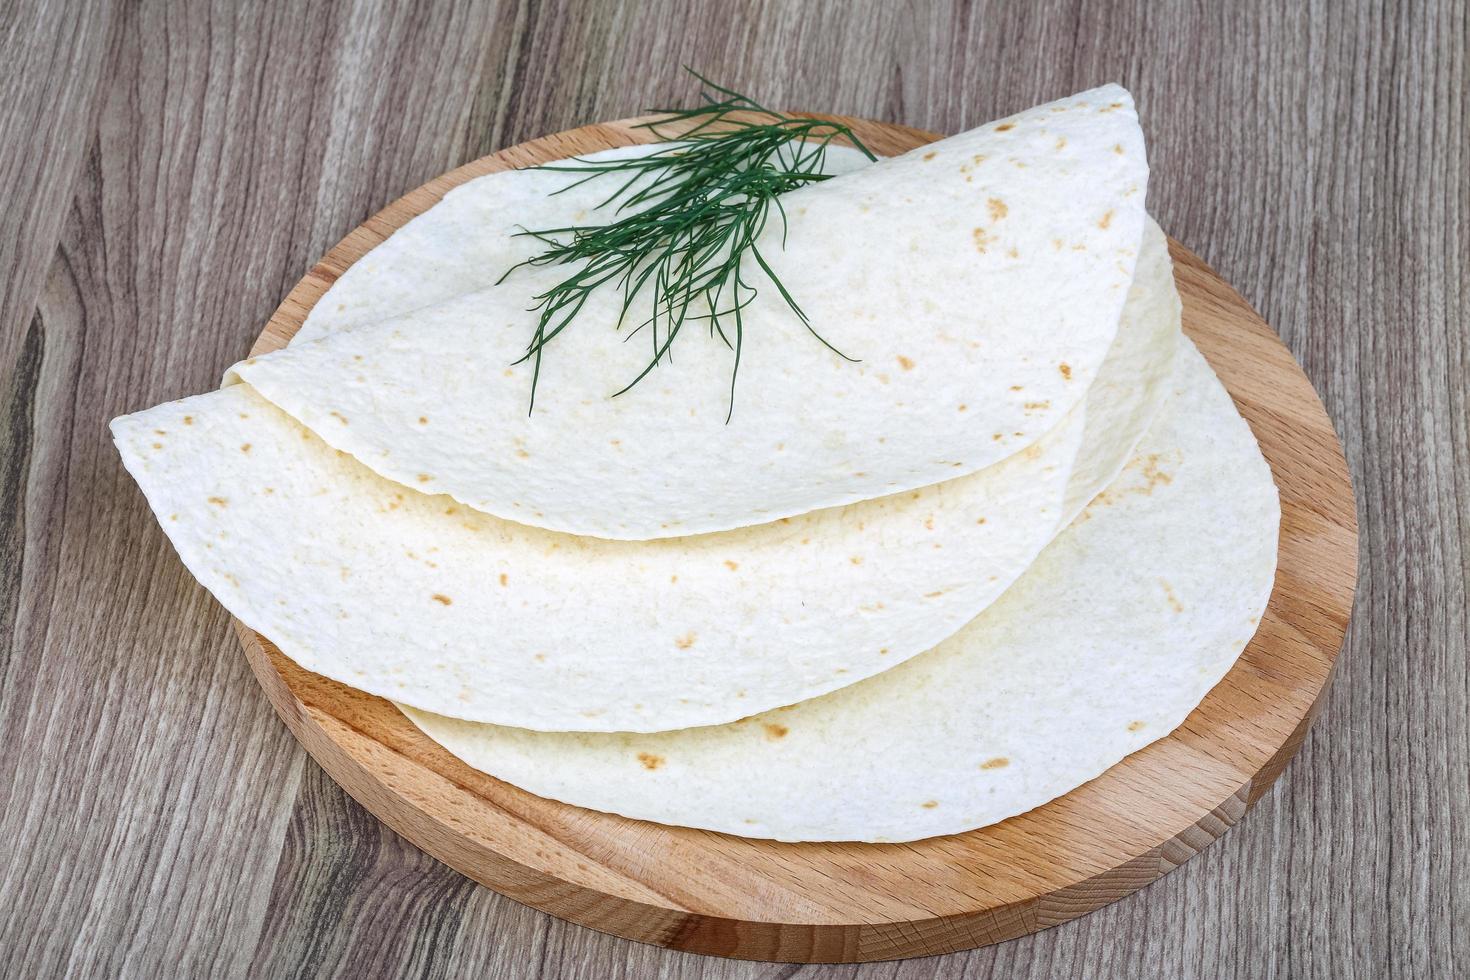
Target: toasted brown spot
column 1003, row 127
column 1118, row 148
column 1134, row 726
column 686, row 641
column 983, row 239
column 1013, row 252
column 339, row 417
column 523, row 454
column 504, row 579
column 649, row 760
column 999, row 762
column 774, row 732
column 906, row 363
column 931, row 154
column 1105, row 220
column 929, row 804
column 732, row 565
column 219, row 501
column 980, row 521
column 158, row 445
column 1066, row 371
column 1061, row 142
column 424, row 478
column 1036, row 406
column 673, row 578
column 1174, row 602
column 933, row 595
column 882, row 651
column 998, row 208
column 442, row 599
column 1153, row 473
column 1017, row 387
column 1146, row 465
column 423, row 420
column 160, row 432
column 244, row 447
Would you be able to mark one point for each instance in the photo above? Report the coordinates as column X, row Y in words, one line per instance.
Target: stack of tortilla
column 1016, row 533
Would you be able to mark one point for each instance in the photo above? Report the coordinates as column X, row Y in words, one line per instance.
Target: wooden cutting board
column 728, row 896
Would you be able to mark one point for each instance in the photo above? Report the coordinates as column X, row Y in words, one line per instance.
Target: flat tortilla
column 1106, row 644
column 415, row 597
column 979, row 280
column 466, row 241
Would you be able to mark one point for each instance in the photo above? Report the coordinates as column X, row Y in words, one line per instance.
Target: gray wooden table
column 167, row 171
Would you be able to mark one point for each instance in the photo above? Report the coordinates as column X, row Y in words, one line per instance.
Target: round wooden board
column 711, row 893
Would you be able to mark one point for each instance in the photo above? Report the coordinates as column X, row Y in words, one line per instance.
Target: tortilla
column 417, row 598
column 978, row 282
column 1106, row 644
column 464, row 243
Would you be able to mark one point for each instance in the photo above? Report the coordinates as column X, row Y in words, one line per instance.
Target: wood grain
column 761, row 900
column 160, row 820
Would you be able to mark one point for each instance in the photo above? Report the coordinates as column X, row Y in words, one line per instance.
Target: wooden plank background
column 168, row 170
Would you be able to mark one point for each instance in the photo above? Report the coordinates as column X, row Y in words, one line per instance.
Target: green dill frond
column 684, row 218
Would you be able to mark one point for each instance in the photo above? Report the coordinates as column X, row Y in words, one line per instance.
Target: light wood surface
column 170, row 169
column 842, row 902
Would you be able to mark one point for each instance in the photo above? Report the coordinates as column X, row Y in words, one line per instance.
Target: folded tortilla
column 418, row 598
column 977, row 282
column 1107, row 643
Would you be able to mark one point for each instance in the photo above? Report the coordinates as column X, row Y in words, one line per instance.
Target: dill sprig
column 685, row 218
